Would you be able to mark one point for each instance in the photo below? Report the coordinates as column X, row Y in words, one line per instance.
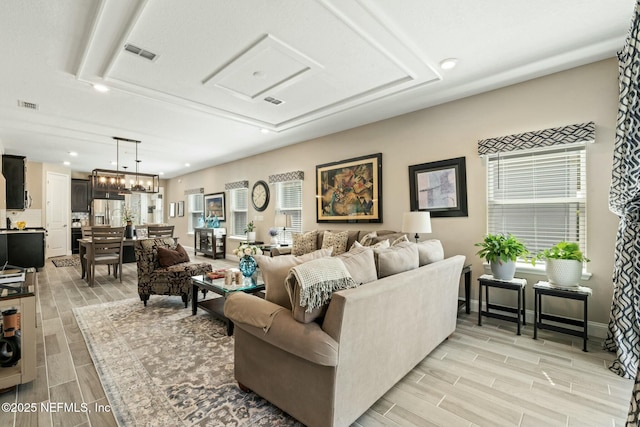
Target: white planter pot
column 564, row 273
column 503, row 270
column 274, row 240
column 251, row 236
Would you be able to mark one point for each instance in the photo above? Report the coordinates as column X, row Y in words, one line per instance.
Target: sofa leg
column 144, row 299
column 244, row 387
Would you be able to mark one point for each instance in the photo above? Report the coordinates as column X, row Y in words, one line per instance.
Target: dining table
column 85, row 246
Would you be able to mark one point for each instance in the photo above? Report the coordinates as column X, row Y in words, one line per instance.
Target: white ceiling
column 335, row 64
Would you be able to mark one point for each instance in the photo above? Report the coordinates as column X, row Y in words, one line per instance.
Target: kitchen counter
column 26, row 230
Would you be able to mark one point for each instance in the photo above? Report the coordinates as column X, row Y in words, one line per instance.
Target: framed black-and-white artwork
column 180, row 208
column 172, row 210
column 439, row 187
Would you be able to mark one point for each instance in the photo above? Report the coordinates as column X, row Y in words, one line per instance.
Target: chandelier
column 122, row 182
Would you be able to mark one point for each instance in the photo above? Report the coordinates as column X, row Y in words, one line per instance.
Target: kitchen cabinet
column 76, row 233
column 79, row 195
column 13, row 169
column 209, row 241
column 23, row 248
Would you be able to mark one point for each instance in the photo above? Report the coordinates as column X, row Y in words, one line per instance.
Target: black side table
column 515, row 284
column 466, row 271
column 581, row 294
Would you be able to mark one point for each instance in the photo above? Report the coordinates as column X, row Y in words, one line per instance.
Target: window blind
column 239, row 210
column 289, row 201
column 539, row 195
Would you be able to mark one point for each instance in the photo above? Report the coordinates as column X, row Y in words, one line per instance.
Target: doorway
column 58, row 214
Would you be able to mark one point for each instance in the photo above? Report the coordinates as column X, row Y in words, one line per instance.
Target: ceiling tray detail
column 267, row 65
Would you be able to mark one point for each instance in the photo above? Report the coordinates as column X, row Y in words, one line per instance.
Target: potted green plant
column 501, row 252
column 563, row 264
column 249, row 231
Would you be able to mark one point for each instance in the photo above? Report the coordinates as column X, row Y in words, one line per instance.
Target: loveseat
column 328, row 369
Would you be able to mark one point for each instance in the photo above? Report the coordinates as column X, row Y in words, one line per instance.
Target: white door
column 58, row 214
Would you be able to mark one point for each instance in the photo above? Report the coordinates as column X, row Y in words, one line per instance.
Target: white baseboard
column 594, row 329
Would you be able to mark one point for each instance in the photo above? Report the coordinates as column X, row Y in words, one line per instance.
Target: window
column 539, row 195
column 239, row 199
column 195, row 211
column 289, row 202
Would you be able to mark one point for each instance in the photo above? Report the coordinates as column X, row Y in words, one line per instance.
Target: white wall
column 583, row 94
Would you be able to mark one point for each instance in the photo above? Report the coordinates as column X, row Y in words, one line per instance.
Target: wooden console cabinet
column 24, row 300
column 209, row 241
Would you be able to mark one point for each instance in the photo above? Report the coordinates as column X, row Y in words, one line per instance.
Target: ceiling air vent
column 140, row 52
column 27, row 105
column 274, row 101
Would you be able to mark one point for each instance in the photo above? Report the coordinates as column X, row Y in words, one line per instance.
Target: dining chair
column 159, row 231
column 86, row 234
column 106, row 249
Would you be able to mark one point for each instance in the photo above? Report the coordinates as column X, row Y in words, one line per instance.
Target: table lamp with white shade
column 416, row 222
column 284, row 221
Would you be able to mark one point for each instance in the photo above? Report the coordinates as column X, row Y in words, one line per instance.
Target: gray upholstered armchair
column 157, row 280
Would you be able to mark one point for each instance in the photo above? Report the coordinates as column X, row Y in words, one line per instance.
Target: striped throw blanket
column 317, row 280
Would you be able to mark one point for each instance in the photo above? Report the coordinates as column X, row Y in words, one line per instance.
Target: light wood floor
column 481, row 376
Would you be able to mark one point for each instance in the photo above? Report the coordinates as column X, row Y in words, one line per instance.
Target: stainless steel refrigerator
column 107, row 212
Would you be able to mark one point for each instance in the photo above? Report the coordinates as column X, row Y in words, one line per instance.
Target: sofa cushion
column 396, row 259
column 360, row 264
column 303, row 243
column 275, row 269
column 336, row 240
column 168, row 257
column 381, row 244
column 430, row 251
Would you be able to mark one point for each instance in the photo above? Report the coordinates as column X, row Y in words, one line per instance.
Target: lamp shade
column 416, row 222
column 282, row 220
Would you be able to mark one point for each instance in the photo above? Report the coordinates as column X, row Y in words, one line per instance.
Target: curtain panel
column 623, row 335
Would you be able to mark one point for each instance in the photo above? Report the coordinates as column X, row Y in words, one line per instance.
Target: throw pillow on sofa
column 367, row 238
column 430, row 251
column 168, row 257
column 360, row 263
column 396, row 259
column 303, row 243
column 336, row 240
column 275, row 269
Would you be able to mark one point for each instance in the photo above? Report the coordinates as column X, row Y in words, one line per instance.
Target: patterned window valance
column 236, row 185
column 194, row 191
column 287, row 176
column 583, row 132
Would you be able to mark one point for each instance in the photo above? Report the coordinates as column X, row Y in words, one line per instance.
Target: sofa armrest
column 305, row 340
column 282, row 250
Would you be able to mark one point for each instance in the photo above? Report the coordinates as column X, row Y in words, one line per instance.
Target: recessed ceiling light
column 160, row 173
column 187, row 164
column 100, row 87
column 114, row 163
column 66, row 163
column 263, row 130
column 449, row 63
column 73, row 153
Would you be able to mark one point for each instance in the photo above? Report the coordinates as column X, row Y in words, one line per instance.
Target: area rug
column 66, row 261
column 161, row 366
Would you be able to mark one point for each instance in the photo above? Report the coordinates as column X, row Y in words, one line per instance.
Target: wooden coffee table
column 215, row 306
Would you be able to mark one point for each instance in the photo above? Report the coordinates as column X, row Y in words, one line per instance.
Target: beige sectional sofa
column 328, row 370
